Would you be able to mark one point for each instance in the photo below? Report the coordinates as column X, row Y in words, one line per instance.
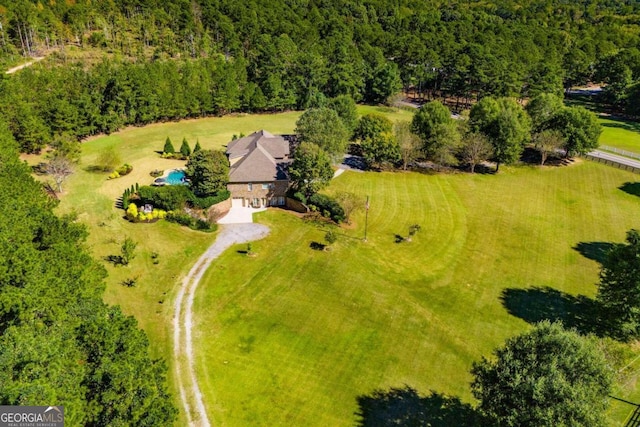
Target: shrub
column 181, row 218
column 114, row 175
column 124, row 169
column 187, row 220
column 206, row 202
column 328, row 206
column 132, row 212
column 168, row 197
column 156, row 173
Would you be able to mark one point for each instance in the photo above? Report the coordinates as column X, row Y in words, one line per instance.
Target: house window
column 249, row 187
column 256, row 203
column 266, row 186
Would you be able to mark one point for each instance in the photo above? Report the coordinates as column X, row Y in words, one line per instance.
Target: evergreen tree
column 197, row 147
column 185, row 150
column 168, row 147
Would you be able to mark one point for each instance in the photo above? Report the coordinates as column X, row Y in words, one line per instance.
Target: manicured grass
column 294, row 335
column 621, row 134
column 92, row 198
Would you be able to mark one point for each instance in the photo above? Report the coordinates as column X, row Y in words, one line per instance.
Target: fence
column 612, row 163
column 615, row 150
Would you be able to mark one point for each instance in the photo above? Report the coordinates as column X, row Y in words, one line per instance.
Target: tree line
column 61, row 344
column 178, row 58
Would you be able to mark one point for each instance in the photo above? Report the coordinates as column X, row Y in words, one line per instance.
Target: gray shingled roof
column 263, row 158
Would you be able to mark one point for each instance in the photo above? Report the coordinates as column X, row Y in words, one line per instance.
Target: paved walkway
column 190, row 393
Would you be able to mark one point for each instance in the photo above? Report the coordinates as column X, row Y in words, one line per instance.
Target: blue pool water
column 176, row 177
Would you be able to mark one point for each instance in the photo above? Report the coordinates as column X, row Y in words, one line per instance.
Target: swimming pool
column 176, row 177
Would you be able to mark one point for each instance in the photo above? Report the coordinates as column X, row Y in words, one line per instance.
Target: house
column 258, row 170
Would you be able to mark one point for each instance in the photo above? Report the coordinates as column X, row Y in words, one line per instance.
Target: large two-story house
column 258, row 170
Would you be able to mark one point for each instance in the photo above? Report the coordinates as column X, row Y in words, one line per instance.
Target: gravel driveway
column 190, row 393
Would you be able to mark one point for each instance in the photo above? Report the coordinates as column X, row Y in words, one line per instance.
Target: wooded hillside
column 177, row 58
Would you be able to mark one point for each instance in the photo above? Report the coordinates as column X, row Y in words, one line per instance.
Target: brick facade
column 253, row 194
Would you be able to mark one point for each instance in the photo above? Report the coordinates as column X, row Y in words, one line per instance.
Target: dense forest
column 60, row 343
column 140, row 61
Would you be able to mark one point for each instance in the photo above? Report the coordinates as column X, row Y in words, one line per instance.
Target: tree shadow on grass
column 544, row 303
column 316, row 246
column 405, row 407
column 596, row 251
column 632, row 188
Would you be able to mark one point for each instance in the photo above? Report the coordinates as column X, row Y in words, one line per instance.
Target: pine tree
column 197, row 147
column 185, row 150
column 168, row 147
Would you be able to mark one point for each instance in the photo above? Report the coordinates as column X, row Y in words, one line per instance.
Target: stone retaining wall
column 296, row 205
column 218, row 210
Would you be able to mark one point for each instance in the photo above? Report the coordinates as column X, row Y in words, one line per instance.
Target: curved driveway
column 190, row 394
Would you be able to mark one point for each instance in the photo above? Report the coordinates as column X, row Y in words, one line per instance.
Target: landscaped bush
column 124, row 169
column 156, row 173
column 175, row 197
column 136, row 215
column 328, row 206
column 121, row 171
column 187, row 220
column 168, row 197
column 206, row 202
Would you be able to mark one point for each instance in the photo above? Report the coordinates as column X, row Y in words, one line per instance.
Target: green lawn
column 621, row 134
column 92, row 198
column 293, row 336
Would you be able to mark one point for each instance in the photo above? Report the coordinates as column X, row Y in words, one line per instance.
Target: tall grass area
column 293, row 335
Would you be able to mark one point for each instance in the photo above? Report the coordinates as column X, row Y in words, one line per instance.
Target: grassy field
column 294, row 336
column 92, row 198
column 621, row 134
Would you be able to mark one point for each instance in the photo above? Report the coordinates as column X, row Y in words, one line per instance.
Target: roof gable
column 263, row 157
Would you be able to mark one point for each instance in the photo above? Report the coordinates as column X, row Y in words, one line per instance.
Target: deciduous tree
column 371, row 125
column 547, row 142
column 476, row 148
column 311, row 169
column 380, row 149
column 438, row 131
column 59, row 168
column 619, row 288
column 546, row 377
column 324, row 128
column 505, row 123
column 408, row 142
column 580, row 129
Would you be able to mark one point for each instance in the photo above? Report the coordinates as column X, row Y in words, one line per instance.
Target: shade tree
column 310, row 170
column 545, row 377
column 505, row 123
column 475, row 149
column 619, row 287
column 371, row 125
column 438, row 132
column 324, row 128
column 408, row 142
column 580, row 129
